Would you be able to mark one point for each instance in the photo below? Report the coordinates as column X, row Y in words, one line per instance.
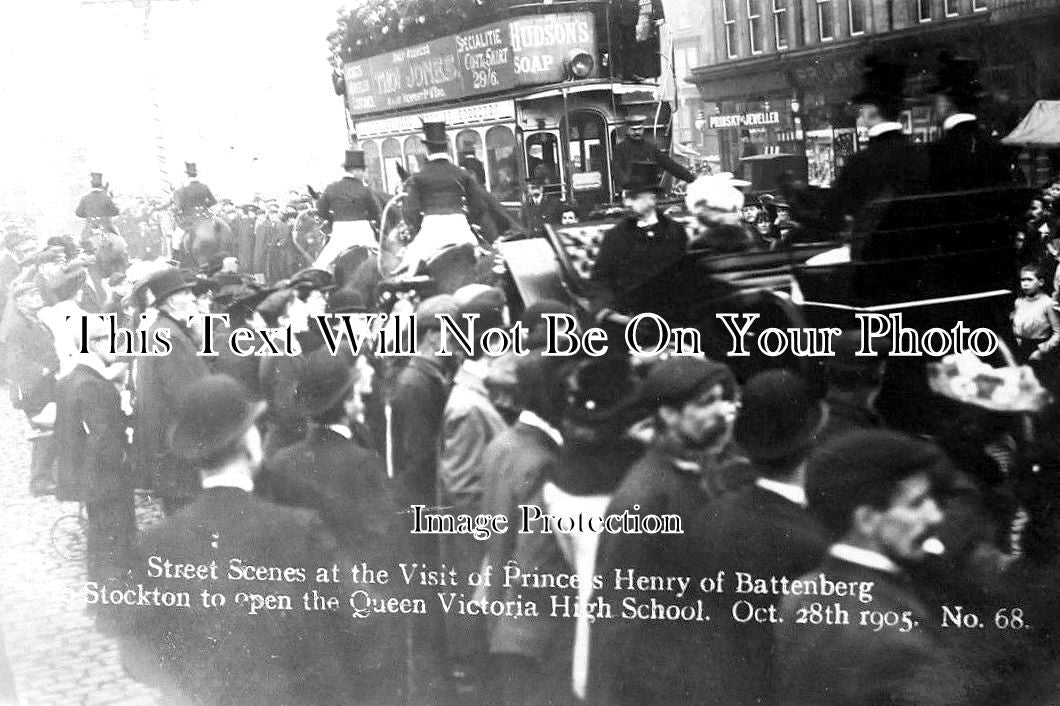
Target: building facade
column 779, row 73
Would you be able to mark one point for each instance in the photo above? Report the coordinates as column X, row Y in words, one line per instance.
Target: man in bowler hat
column 222, row 653
column 160, row 382
column 350, row 208
column 763, row 529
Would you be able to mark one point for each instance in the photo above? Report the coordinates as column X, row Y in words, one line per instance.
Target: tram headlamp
column 580, row 63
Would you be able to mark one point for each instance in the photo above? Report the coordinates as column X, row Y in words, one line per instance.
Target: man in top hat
column 97, row 207
column 442, row 200
column 349, row 206
column 639, row 248
column 636, row 148
column 161, row 381
column 890, row 165
column 224, row 654
column 634, row 661
column 875, row 493
column 966, row 156
column 194, row 199
column 763, row 529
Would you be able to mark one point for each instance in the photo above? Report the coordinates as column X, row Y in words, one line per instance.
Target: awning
column 1040, row 127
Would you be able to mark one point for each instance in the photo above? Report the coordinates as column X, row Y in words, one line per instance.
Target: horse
column 204, row 238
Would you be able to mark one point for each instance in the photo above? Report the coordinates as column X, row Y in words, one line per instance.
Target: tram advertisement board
column 527, row 51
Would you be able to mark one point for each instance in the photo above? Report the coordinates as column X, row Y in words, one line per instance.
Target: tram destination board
column 528, row 51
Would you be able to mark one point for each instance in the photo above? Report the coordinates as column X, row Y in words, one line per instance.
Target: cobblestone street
column 54, row 650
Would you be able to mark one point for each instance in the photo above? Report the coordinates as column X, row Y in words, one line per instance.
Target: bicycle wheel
column 68, row 537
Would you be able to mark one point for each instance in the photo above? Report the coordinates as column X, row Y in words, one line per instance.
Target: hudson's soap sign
column 496, row 57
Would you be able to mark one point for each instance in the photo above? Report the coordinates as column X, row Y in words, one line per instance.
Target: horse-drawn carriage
column 936, row 259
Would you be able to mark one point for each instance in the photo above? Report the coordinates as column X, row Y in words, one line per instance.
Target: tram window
column 469, row 143
column 500, row 163
column 392, row 159
column 542, row 157
column 587, row 152
column 415, row 153
column 374, row 164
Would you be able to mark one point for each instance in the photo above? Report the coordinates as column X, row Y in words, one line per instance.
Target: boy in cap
column 874, row 492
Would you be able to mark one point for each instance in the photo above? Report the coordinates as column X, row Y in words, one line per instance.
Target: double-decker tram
column 528, row 91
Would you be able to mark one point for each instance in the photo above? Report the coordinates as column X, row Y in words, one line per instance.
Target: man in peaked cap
column 966, row 156
column 161, row 381
column 695, row 403
column 890, row 165
column 637, row 148
column 349, row 206
column 223, row 654
column 442, row 201
column 97, row 207
column 194, row 199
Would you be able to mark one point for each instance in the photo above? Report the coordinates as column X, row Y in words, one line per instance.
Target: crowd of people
column 832, row 554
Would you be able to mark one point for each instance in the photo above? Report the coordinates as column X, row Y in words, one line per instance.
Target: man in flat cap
column 97, row 207
column 160, row 382
column 695, row 403
column 637, row 148
column 966, row 155
column 222, row 653
column 874, row 492
column 349, row 206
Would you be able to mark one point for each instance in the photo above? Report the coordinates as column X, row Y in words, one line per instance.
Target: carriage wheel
column 67, row 537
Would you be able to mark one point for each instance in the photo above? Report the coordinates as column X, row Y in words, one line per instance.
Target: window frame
column 780, row 18
column 980, row 6
column 920, row 5
column 751, row 34
column 950, row 8
column 732, row 49
column 821, row 4
column 850, row 17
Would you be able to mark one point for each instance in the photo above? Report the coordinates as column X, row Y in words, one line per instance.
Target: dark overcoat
column 91, row 455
